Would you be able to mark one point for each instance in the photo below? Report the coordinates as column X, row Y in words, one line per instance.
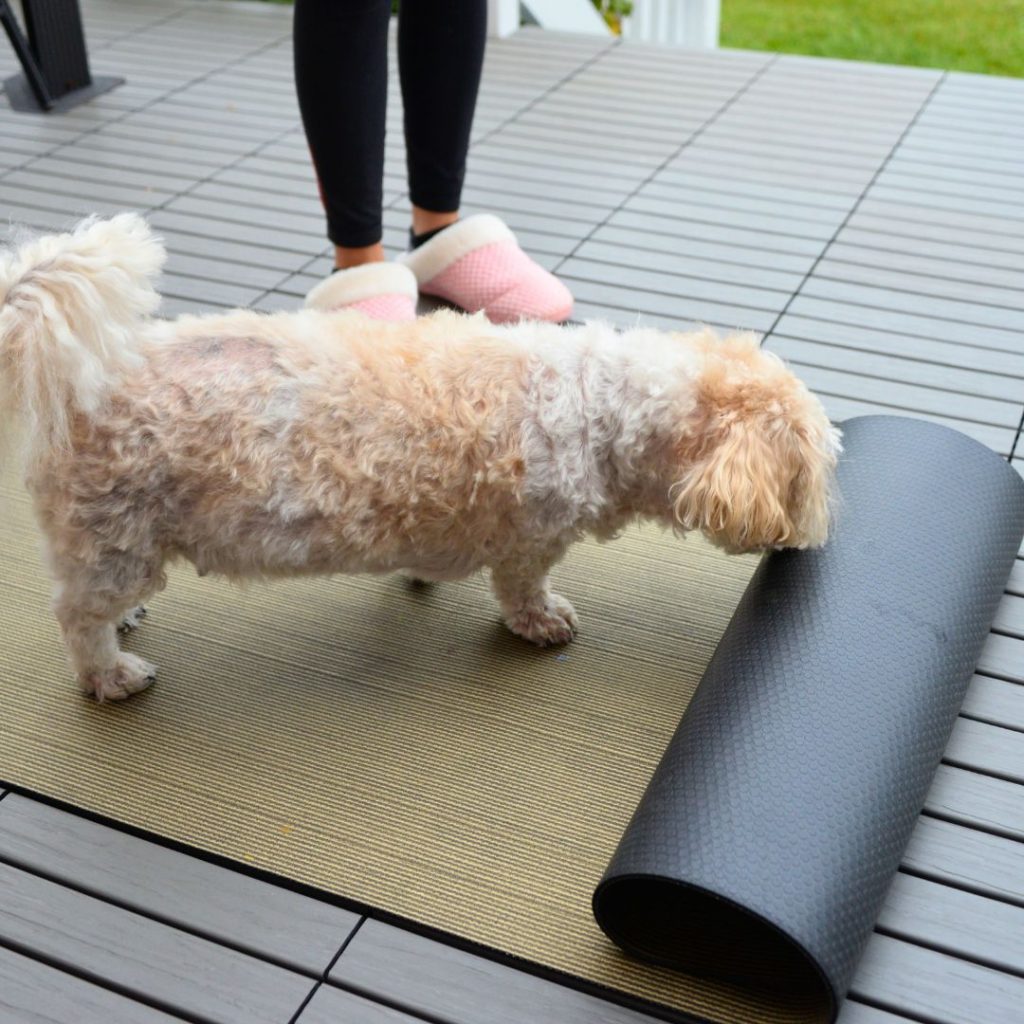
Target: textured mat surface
column 766, row 842
column 392, row 746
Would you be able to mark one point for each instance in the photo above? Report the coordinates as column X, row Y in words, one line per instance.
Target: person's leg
column 440, row 57
column 341, row 79
column 475, row 263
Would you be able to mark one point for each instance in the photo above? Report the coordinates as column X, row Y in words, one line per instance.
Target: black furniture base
column 19, row 93
column 52, row 55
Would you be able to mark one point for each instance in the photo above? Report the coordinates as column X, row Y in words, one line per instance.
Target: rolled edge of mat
column 717, row 931
column 766, row 840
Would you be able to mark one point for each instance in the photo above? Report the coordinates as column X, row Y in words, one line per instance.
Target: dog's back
column 263, row 445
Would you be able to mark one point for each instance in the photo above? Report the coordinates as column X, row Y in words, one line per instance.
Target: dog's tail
column 70, row 310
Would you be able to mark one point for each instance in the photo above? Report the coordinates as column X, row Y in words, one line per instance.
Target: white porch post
column 568, row 16
column 675, row 22
column 502, row 17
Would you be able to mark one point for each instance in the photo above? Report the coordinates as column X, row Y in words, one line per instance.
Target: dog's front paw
column 547, row 621
column 132, row 620
column 129, row 675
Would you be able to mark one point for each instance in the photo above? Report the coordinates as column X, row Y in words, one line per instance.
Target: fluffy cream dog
column 320, row 442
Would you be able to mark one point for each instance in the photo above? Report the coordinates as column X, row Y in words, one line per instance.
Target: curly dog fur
column 320, row 442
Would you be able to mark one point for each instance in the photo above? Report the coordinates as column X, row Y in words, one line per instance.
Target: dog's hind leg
column 530, row 607
column 90, row 602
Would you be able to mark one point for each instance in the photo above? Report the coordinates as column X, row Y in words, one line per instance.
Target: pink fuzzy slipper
column 383, row 291
column 477, row 264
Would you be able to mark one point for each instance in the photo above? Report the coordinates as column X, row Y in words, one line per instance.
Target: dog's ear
column 758, row 472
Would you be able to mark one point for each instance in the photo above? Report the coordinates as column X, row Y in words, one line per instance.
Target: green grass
column 966, row 35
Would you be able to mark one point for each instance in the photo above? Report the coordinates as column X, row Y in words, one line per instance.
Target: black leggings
column 341, row 77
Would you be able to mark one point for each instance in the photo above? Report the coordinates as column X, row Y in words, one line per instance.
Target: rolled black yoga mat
column 768, row 836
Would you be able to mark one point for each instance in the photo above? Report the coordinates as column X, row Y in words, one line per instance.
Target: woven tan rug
column 393, row 746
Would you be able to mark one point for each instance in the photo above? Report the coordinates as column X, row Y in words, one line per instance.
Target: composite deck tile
column 994, row 701
column 983, row 747
column 139, row 956
column 864, row 314
column 443, row 983
column 932, row 986
column 1003, row 656
column 953, row 921
column 978, row 801
column 35, row 993
column 909, row 370
column 878, row 239
column 335, row 1006
column 185, row 891
column 966, row 858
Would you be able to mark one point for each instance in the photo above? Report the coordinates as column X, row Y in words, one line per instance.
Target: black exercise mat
column 768, row 836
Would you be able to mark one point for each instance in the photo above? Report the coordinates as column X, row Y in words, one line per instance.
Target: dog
column 269, row 445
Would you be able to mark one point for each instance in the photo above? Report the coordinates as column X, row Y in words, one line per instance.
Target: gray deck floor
column 869, row 220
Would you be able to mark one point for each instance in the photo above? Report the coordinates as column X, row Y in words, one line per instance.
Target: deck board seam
column 1016, row 440
column 857, row 203
column 141, row 29
column 325, row 973
column 727, row 104
column 100, row 126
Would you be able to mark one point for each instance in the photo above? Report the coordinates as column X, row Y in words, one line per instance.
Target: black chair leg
column 53, row 57
column 33, row 73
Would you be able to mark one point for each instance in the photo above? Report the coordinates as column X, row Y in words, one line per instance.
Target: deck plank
column 1015, row 584
column 996, row 362
column 907, row 279
column 956, row 922
column 441, row 982
column 874, row 237
column 968, row 859
column 996, row 702
column 853, row 1012
column 184, row 891
column 920, row 324
column 888, row 299
column 139, row 956
column 979, row 801
column 851, row 258
column 934, row 986
column 1010, row 616
column 935, row 377
column 332, row 1005
column 988, row 748
column 35, row 993
column 1003, row 656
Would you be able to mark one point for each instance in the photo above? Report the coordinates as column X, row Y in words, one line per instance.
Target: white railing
column 674, row 22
